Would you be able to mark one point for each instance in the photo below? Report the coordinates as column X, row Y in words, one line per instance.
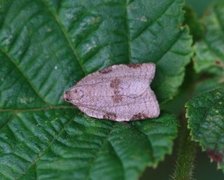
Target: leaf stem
column 187, row 150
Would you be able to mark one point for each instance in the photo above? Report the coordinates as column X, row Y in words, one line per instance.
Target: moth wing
column 120, row 93
column 144, row 106
column 145, row 70
column 141, row 107
column 148, row 109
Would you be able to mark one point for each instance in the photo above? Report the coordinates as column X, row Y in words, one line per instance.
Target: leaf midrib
column 128, row 32
column 14, row 110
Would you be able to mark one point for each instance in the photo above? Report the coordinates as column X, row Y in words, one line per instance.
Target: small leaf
column 206, row 122
column 209, row 51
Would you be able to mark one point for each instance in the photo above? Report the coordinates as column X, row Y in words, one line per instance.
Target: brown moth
column 119, row 92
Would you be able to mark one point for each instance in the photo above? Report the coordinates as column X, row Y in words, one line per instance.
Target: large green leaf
column 206, row 121
column 62, row 143
column 46, row 46
column 209, row 51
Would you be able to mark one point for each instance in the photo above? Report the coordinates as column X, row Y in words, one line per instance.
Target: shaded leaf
column 195, row 26
column 209, row 85
column 206, row 122
column 209, row 52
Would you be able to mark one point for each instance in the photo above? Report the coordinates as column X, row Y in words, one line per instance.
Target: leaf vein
column 37, row 109
column 23, row 75
column 128, row 32
column 169, row 47
column 150, row 23
column 44, row 151
column 66, row 36
column 96, row 155
column 120, row 160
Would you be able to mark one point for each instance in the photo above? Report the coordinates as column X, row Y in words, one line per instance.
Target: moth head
column 73, row 95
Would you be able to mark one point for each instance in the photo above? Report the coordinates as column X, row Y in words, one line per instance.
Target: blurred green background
column 204, row 169
column 199, row 5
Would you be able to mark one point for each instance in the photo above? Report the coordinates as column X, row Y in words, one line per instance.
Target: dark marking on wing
column 106, row 70
column 134, row 65
column 115, row 83
column 110, row 115
column 139, row 116
column 117, row 98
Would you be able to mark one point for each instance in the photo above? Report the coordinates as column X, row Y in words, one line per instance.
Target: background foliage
column 47, row 45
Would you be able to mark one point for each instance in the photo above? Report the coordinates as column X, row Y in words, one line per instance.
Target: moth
column 119, row 92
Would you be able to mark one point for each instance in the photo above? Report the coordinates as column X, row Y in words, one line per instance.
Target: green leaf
column 48, row 45
column 56, row 43
column 62, row 143
column 206, row 122
column 209, row 52
column 195, row 26
column 208, row 85
column 199, row 6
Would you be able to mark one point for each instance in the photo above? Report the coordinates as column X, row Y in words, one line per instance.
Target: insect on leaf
column 119, row 92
